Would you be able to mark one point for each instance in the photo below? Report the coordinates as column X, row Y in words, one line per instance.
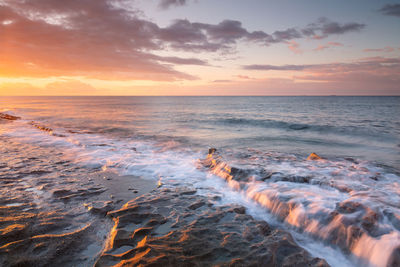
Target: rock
column 349, row 207
column 9, row 117
column 264, row 228
column 351, row 160
column 41, row 127
column 100, row 207
column 211, row 150
column 394, row 260
column 314, row 156
column 166, row 230
column 240, row 210
column 197, row 205
column 187, row 192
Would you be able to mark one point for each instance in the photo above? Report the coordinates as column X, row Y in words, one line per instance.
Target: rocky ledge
column 177, row 227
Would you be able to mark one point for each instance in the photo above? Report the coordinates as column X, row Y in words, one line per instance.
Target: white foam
column 297, row 204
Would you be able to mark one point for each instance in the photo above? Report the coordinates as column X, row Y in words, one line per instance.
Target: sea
column 343, row 206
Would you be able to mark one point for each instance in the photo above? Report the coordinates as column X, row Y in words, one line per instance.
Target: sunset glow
column 167, row 47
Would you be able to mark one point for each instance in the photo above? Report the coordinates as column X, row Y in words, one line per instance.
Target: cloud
column 245, row 77
column 295, row 47
column 274, row 67
column 98, row 40
column 111, row 39
column 168, row 3
column 289, row 34
column 327, row 45
column 325, row 27
column 181, row 61
column 194, row 36
column 222, row 81
column 352, row 84
column 373, row 64
column 366, row 72
column 391, row 10
column 386, row 49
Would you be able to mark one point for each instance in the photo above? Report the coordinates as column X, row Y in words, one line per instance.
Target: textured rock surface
column 52, row 212
column 174, row 227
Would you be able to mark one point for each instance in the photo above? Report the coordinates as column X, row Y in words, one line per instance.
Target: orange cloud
column 386, row 49
column 295, row 47
column 327, row 45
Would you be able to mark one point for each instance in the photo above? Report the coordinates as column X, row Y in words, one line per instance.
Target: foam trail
column 345, row 204
column 350, row 213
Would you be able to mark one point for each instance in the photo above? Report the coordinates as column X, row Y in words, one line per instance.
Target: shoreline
column 52, row 212
column 133, row 221
column 60, row 185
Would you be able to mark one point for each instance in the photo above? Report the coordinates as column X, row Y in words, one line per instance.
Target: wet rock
column 394, row 260
column 239, row 210
column 296, row 179
column 393, row 218
column 216, row 198
column 171, row 232
column 66, row 195
column 100, row 207
column 264, row 228
column 266, row 175
column 29, row 251
column 211, row 150
column 13, row 232
column 351, row 160
column 197, row 205
column 239, row 174
column 187, row 192
column 61, row 193
column 313, row 156
column 370, row 222
column 9, row 117
column 41, row 127
column 349, row 207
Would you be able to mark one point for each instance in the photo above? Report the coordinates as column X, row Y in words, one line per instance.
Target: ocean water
column 344, row 207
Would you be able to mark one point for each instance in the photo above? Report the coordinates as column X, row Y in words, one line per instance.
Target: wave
column 343, row 203
column 349, row 204
column 265, row 123
column 351, row 130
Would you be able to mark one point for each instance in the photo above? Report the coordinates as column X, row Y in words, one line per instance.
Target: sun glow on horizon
column 115, row 48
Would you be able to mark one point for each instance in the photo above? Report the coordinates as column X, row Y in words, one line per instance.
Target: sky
column 199, row 47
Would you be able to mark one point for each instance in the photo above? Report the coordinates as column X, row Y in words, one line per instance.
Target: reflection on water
column 362, row 127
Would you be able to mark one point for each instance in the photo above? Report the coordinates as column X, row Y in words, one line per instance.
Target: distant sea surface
column 268, row 138
column 366, row 128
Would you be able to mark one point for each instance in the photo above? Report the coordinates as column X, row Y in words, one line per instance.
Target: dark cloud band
column 391, row 10
column 168, row 3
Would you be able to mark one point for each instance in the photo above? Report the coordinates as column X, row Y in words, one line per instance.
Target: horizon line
column 191, row 95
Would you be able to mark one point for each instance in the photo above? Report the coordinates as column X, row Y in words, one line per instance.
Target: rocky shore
column 56, row 213
column 177, row 227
